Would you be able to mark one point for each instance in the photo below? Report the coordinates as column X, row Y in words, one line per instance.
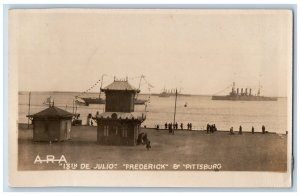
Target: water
column 200, row 110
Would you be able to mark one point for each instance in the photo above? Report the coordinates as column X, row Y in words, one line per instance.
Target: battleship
column 235, row 95
column 165, row 93
column 171, row 92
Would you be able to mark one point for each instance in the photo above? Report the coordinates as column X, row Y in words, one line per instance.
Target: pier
column 234, row 152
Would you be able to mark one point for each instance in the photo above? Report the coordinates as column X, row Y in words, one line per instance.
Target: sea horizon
column 154, row 94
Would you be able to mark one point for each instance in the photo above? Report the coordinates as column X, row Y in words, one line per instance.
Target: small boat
column 139, row 101
column 90, row 100
column 99, row 100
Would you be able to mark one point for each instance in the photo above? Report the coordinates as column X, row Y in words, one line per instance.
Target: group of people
column 189, row 126
column 263, row 129
column 211, row 128
column 174, row 126
column 143, row 139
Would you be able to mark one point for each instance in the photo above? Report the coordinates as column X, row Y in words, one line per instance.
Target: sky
column 197, row 51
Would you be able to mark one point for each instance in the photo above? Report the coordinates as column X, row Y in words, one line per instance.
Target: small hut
column 51, row 124
column 119, row 124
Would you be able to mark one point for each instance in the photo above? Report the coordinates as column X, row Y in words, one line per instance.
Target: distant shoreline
column 153, row 94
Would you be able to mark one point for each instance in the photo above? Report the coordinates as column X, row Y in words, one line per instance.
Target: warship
column 171, row 92
column 236, row 95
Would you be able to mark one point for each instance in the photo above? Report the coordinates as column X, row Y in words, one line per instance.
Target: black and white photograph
column 205, row 92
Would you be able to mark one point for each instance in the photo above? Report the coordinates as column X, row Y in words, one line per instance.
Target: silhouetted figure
column 191, row 126
column 140, row 138
column 231, row 131
column 263, row 129
column 188, row 126
column 157, row 127
column 176, row 125
column 240, row 130
column 148, row 146
column 252, row 130
column 145, row 138
column 170, row 128
column 166, row 125
column 207, row 128
column 181, row 126
column 89, row 119
column 215, row 128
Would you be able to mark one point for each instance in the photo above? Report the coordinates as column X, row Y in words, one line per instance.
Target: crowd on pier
column 210, row 128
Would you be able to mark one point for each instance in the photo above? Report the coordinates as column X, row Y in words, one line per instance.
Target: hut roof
column 119, row 86
column 52, row 112
column 139, row 116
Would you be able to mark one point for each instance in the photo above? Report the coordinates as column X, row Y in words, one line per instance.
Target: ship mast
column 174, row 119
column 259, row 86
column 142, row 76
column 233, row 88
column 101, row 85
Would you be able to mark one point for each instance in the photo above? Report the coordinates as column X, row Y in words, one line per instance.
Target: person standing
column 207, row 128
column 263, row 129
column 231, row 131
column 252, row 130
column 181, row 126
column 148, row 146
column 170, row 128
column 240, row 130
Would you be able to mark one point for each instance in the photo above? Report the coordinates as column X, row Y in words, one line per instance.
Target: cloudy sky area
column 201, row 52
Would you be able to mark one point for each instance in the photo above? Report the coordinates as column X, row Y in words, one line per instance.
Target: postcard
column 150, row 97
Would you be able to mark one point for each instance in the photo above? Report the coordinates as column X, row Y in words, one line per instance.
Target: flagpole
column 29, row 108
column 73, row 106
column 175, row 109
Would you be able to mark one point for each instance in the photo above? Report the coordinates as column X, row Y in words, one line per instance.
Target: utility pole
column 29, row 108
column 73, row 106
column 175, row 110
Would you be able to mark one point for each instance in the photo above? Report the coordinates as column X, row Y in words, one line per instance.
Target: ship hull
column 243, row 98
column 139, row 101
column 89, row 101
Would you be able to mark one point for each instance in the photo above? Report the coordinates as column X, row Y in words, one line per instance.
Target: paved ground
column 246, row 152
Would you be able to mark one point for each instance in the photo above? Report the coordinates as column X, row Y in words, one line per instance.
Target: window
column 124, row 131
column 116, row 130
column 105, row 130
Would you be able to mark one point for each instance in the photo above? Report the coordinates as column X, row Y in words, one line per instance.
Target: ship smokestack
column 242, row 91
column 246, row 91
column 250, row 91
column 237, row 91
